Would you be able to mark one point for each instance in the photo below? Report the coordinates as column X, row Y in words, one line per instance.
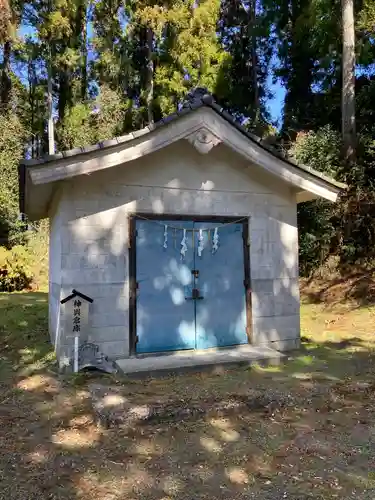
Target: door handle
column 195, row 295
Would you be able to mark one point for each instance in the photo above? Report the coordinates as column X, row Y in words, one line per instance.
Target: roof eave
column 332, row 194
column 308, row 183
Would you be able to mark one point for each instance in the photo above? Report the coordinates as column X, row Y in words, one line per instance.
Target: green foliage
column 242, row 81
column 12, row 136
column 110, row 118
column 76, row 129
column 115, row 66
column 316, row 233
column 193, row 55
column 15, row 270
column 320, row 150
column 26, row 265
column 102, row 119
column 37, row 240
column 317, row 220
column 177, row 39
column 345, row 229
column 366, row 18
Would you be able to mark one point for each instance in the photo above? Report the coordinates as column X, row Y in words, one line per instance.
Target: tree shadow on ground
column 23, row 337
column 319, row 445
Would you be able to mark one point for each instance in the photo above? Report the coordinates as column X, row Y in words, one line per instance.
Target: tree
column 61, row 28
column 157, row 51
column 293, row 24
column 12, row 136
column 116, row 66
column 90, row 122
column 9, row 16
column 246, row 34
column 348, row 81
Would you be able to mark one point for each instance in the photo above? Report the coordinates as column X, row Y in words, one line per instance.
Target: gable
column 178, row 169
column 179, row 181
column 204, row 129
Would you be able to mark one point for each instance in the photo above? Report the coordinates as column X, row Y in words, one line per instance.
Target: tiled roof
column 197, row 98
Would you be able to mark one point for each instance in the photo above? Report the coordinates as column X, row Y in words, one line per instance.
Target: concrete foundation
column 197, row 360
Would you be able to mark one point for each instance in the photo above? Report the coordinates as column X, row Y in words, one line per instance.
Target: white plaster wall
column 178, row 180
column 56, row 217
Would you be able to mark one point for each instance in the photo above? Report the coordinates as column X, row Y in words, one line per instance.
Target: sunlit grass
column 309, row 449
column 24, row 339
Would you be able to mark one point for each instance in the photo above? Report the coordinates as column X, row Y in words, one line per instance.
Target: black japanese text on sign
column 77, row 316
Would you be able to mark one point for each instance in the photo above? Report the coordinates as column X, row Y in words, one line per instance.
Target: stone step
column 161, row 363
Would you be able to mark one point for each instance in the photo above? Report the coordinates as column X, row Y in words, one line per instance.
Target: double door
column 190, row 285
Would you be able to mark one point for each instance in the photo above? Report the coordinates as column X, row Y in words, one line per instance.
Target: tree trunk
column 300, row 65
column 31, row 84
column 6, row 82
column 51, row 135
column 254, row 63
column 50, row 124
column 84, row 61
column 64, row 94
column 348, row 81
column 150, row 76
column 81, row 43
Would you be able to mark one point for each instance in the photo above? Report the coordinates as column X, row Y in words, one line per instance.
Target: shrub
column 319, row 150
column 317, row 220
column 26, row 265
column 101, row 119
column 15, row 270
column 12, row 136
column 37, row 247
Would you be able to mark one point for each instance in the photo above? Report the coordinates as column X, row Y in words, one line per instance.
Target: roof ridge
column 195, row 99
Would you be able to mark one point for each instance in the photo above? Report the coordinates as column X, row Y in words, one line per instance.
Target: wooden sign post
column 76, row 322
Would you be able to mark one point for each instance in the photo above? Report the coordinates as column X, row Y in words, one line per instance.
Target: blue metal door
column 165, row 319
column 193, row 301
column 221, row 312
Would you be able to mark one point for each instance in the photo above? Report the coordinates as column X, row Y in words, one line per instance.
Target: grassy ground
column 321, row 446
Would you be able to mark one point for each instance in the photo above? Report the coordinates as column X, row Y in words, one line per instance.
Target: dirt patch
column 356, row 288
column 318, row 445
column 113, row 408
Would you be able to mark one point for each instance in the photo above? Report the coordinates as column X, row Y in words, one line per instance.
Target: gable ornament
column 203, row 140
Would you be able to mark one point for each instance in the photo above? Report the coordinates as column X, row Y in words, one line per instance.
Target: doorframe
column 132, row 248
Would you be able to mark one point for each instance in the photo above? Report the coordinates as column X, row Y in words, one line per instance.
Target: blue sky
column 25, row 30
column 276, row 104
